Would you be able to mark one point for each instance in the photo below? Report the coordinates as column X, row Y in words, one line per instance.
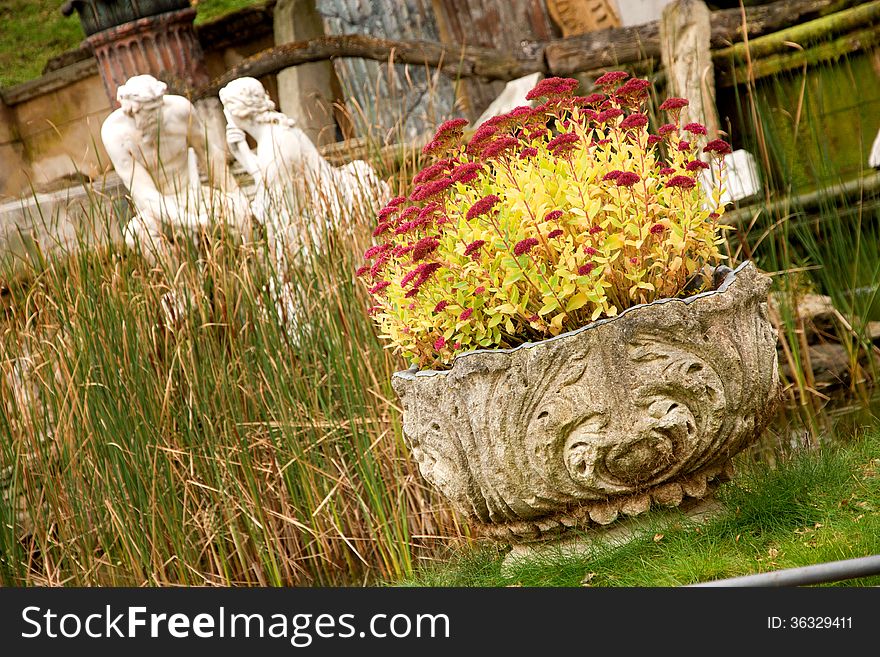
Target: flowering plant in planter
column 546, row 219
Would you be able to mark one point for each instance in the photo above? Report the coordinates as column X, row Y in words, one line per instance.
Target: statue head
column 246, row 98
column 140, row 92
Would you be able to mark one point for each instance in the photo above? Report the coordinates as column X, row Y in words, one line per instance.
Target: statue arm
column 237, row 140
column 143, row 191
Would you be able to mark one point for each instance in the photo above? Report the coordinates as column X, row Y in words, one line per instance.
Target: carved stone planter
column 648, row 407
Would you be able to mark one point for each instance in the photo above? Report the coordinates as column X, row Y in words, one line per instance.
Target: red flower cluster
column 634, row 120
column 673, row 104
column 374, row 251
column 627, row 179
column 420, row 274
column 424, row 247
column 480, row 139
column 683, row 182
column 562, row 144
column 467, row 172
column 612, row 175
column 611, row 78
column 695, row 128
column 633, row 92
column 718, row 147
column 430, row 189
column 609, row 115
column 474, row 247
column 448, row 134
column 524, row 246
column 553, row 88
column 482, row 206
column 499, row 147
column 432, row 172
column 696, row 165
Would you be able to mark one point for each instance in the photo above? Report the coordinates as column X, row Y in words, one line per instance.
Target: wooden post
column 685, row 32
column 306, row 93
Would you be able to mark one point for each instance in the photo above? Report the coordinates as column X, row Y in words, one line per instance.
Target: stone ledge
column 50, row 82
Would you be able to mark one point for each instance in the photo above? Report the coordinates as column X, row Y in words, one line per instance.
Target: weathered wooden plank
column 504, row 25
column 860, row 40
column 597, row 50
column 684, row 38
column 618, row 46
column 403, row 98
column 462, row 61
column 804, row 33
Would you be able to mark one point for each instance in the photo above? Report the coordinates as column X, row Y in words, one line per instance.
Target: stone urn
column 133, row 37
column 98, row 15
column 645, row 408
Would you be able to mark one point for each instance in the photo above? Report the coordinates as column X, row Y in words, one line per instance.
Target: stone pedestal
column 164, row 45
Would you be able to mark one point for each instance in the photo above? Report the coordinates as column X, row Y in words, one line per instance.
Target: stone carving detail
column 648, row 406
column 294, row 182
column 158, row 146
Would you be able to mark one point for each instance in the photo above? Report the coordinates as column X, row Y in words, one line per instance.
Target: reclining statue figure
column 299, row 194
column 157, row 143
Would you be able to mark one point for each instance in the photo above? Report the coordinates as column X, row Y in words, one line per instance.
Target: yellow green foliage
column 547, row 219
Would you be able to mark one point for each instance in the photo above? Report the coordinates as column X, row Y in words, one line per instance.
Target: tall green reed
column 215, row 443
column 817, row 223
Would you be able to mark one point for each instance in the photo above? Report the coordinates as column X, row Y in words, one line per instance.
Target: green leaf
column 579, row 300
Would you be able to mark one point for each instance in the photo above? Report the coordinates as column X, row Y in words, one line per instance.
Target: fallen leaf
column 587, row 578
column 658, row 538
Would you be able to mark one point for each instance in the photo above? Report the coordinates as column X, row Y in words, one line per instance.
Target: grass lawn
column 817, row 506
column 35, row 31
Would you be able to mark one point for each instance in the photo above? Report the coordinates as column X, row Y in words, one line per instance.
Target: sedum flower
column 524, row 246
column 447, row 273
column 717, row 147
column 482, row 206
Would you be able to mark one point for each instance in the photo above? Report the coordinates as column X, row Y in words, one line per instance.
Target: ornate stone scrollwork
column 647, row 406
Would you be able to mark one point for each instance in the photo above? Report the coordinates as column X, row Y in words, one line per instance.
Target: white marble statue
column 158, row 146
column 299, row 194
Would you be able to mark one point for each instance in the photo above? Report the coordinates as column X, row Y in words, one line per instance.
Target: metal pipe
column 832, row 571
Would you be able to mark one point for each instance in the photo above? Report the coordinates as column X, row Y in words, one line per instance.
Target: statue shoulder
column 178, row 106
column 115, row 126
